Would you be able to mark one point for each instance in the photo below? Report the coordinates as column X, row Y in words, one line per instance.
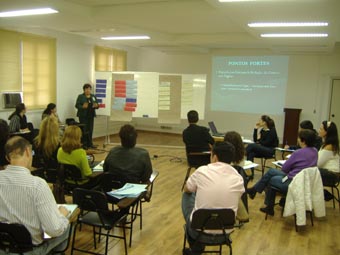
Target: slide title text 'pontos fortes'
column 248, row 63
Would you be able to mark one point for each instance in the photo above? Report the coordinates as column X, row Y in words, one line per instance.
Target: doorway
column 334, row 112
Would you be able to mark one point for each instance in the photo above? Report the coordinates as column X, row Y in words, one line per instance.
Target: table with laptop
column 219, row 137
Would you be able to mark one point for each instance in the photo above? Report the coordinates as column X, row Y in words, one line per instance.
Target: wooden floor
column 162, row 231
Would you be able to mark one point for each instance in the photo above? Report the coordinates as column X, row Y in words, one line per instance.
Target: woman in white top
column 328, row 158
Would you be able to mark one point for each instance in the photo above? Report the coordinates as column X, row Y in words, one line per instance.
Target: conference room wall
column 308, row 85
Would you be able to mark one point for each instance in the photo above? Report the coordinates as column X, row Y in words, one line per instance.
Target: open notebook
column 70, row 208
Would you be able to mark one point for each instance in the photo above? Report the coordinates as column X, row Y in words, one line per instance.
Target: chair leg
column 263, row 164
column 94, row 237
column 186, row 177
column 74, row 238
column 140, row 215
column 333, row 197
column 311, row 217
column 107, row 241
column 185, row 238
column 296, row 226
column 125, row 245
column 338, row 199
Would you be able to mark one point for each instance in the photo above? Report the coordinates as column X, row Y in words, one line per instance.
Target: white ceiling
column 186, row 25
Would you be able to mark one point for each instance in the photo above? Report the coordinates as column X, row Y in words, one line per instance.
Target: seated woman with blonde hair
column 72, row 153
column 47, row 143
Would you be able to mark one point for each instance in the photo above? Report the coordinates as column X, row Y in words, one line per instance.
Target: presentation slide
column 253, row 84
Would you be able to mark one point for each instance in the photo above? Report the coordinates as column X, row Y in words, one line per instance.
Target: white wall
column 308, row 83
column 308, row 86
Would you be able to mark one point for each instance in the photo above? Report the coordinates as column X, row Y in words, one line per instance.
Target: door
column 334, row 113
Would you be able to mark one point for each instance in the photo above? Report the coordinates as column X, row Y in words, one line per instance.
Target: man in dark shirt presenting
column 197, row 138
column 126, row 162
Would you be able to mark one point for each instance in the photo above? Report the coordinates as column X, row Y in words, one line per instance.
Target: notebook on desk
column 70, row 208
column 214, row 129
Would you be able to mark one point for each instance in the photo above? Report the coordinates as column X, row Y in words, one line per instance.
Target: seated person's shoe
column 282, row 201
column 187, row 251
column 267, row 210
column 328, row 196
column 251, row 192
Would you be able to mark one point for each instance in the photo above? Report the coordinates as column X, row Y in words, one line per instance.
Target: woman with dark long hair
column 328, row 157
column 18, row 120
column 265, row 140
column 51, row 110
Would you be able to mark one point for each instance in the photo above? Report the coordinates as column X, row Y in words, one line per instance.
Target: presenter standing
column 87, row 104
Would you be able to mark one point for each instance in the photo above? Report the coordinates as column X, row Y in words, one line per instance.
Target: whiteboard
column 103, row 94
column 192, row 93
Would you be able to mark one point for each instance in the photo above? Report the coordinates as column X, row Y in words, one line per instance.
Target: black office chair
column 334, row 184
column 94, row 212
column 15, row 238
column 133, row 205
column 70, row 177
column 148, row 195
column 195, row 160
column 212, row 219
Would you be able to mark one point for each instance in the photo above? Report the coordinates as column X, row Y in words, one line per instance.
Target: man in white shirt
column 28, row 200
column 216, row 185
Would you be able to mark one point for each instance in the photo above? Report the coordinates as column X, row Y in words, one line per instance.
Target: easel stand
column 107, row 136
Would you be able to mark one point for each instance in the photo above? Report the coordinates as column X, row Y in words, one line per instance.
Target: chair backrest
column 213, row 219
column 71, row 121
column 197, row 159
column 108, row 182
column 152, row 179
column 244, row 196
column 70, row 172
column 15, row 238
column 90, row 200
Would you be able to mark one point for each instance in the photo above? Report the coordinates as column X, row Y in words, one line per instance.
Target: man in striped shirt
column 28, row 200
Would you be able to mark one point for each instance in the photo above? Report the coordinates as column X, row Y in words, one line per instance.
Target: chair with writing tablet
column 95, row 212
column 109, row 182
column 222, row 220
column 15, row 238
column 264, row 161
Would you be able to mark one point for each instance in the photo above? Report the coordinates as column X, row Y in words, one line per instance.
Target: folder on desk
column 128, row 190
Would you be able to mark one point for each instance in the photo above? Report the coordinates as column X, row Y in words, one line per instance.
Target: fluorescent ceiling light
column 288, row 24
column 229, row 1
column 133, row 37
column 295, row 35
column 27, row 12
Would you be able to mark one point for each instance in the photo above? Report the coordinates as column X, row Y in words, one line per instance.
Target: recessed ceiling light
column 295, row 35
column 133, row 37
column 229, row 1
column 288, row 24
column 18, row 13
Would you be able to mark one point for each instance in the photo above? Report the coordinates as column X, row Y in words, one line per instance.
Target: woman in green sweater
column 72, row 153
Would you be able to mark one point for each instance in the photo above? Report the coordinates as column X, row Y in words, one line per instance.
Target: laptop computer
column 214, row 129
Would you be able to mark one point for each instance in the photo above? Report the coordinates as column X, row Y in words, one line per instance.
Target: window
column 28, row 64
column 10, row 66
column 107, row 59
column 39, row 70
